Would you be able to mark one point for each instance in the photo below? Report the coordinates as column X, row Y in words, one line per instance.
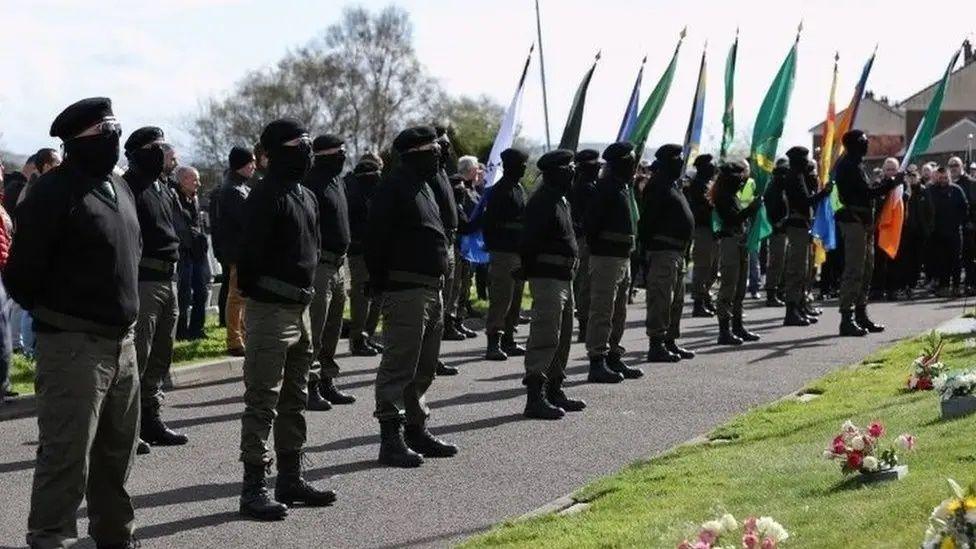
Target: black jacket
column 580, row 198
column 732, row 216
column 775, row 198
column 281, row 236
column 76, row 251
column 503, row 216
column 405, row 234
column 330, row 193
column 230, row 222
column 951, row 209
column 444, row 195
column 919, row 213
column 608, row 222
column 359, row 196
column 154, row 205
column 696, row 193
column 856, row 192
column 666, row 221
column 548, row 247
column 467, row 201
column 968, row 186
column 189, row 227
column 801, row 197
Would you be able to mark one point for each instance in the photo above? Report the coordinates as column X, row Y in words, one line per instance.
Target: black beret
column 281, row 131
column 703, row 160
column 80, row 116
column 514, row 156
column 366, row 166
column 239, row 157
column 555, row 159
column 782, row 162
column 411, row 138
column 734, row 168
column 618, row 150
column 797, row 153
column 587, row 155
column 668, row 152
column 142, row 137
column 455, row 179
column 327, row 141
column 440, row 130
column 852, row 137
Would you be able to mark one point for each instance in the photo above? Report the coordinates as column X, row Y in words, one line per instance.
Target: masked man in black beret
column 156, row 327
column 447, row 205
column 704, row 250
column 855, row 220
column 330, row 284
column 74, row 265
column 407, row 257
column 364, row 308
column 580, row 198
column 776, row 210
column 502, row 221
column 229, row 227
column 666, row 229
column 549, row 256
column 277, row 274
column 610, row 229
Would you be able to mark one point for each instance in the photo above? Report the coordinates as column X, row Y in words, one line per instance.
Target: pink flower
column 769, row 543
column 854, row 460
column 906, row 441
column 685, row 545
column 750, row 541
column 838, row 446
column 876, row 429
column 707, row 536
column 750, row 524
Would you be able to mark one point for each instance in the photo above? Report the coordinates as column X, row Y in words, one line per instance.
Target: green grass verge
column 769, row 463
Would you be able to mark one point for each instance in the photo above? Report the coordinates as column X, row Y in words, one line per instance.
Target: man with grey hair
column 467, row 199
column 193, row 269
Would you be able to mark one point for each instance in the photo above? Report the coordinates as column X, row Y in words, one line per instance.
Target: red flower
column 838, row 446
column 876, row 430
column 924, row 384
column 855, row 459
column 750, row 541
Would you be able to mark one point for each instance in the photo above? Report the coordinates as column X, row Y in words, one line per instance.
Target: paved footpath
column 187, row 496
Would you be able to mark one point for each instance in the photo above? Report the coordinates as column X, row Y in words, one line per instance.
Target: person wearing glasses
column 74, row 265
column 276, row 274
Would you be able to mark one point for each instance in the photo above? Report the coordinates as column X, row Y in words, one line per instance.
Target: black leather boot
column 556, row 397
column 510, row 347
column 358, row 346
column 581, row 336
column 494, row 351
column 725, row 335
column 809, row 310
column 393, row 449
column 710, row 305
column 614, row 363
column 848, row 326
column 315, row 402
column 291, row 488
column 536, row 405
column 255, row 502
column 444, row 370
column 794, row 317
column 700, row 311
column 153, row 431
column 773, row 300
column 467, row 332
column 599, row 373
column 658, row 352
column 143, row 448
column 672, row 346
column 740, row 330
column 371, row 341
column 451, row 332
column 861, row 317
column 330, row 392
column 419, row 439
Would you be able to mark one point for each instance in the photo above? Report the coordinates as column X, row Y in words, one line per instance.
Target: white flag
column 506, row 132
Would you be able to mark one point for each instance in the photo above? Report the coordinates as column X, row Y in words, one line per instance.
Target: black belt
column 70, row 323
column 405, row 277
column 158, row 265
column 283, row 289
column 332, row 258
column 558, row 260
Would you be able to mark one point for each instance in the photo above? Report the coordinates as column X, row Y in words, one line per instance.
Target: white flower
column 849, row 427
column 857, row 443
column 971, row 517
column 942, row 511
column 770, row 528
column 714, row 526
column 871, row 463
column 906, row 441
column 729, row 523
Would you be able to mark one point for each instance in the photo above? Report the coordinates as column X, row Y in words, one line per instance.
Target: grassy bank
column 769, row 462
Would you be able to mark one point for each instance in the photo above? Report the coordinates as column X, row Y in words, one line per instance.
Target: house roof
column 959, row 96
column 955, row 138
column 875, row 117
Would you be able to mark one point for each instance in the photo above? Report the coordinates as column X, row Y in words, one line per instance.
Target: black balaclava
column 560, row 178
column 856, row 143
column 587, row 171
column 424, row 163
column 148, row 161
column 331, row 163
column 671, row 168
column 513, row 170
column 705, row 172
column 290, row 163
column 623, row 168
column 94, row 155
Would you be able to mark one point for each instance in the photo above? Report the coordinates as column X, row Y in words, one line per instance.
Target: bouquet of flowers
column 723, row 533
column 859, row 450
column 927, row 366
column 956, row 385
column 953, row 522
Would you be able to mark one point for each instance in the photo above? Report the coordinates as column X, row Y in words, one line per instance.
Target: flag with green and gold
column 765, row 140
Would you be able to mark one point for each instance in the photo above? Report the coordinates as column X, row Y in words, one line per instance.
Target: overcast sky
column 157, row 59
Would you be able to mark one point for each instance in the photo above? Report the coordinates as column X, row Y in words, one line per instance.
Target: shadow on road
column 431, row 540
column 15, row 466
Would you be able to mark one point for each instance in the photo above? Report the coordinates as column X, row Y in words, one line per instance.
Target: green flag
column 765, row 139
column 571, row 133
column 655, row 102
column 926, row 129
column 728, row 117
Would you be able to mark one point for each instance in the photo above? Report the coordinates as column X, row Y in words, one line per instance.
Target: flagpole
column 542, row 70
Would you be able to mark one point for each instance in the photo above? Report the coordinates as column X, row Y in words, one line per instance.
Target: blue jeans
column 6, row 345
column 193, row 290
column 754, row 275
column 27, row 334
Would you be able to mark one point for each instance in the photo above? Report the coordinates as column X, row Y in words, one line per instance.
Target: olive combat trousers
column 665, row 294
column 504, row 293
column 325, row 313
column 735, row 271
column 551, row 329
column 276, row 364
column 412, row 329
column 609, row 284
column 155, row 330
column 858, row 264
column 364, row 310
column 87, row 420
column 705, row 257
column 581, row 281
column 797, row 264
column 776, row 260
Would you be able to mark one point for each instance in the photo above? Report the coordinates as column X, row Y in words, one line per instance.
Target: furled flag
column 571, row 133
column 655, row 102
column 765, row 139
column 847, row 118
column 893, row 211
column 473, row 245
column 630, row 114
column 824, row 229
column 694, row 131
column 728, row 116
